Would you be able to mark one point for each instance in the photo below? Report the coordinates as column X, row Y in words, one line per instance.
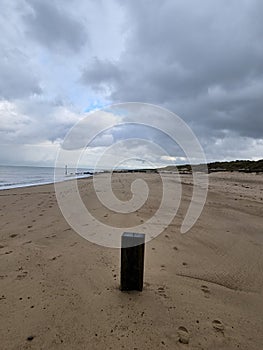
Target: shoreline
column 137, row 171
column 42, row 183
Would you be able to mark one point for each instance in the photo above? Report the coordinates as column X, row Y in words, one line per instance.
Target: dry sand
column 59, row 291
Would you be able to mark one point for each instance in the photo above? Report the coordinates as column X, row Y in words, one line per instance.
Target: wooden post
column 132, row 261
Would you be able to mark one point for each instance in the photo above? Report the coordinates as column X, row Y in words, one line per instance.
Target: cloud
column 49, row 24
column 15, row 80
column 91, row 131
column 202, row 62
column 101, row 75
column 45, row 122
column 41, row 154
column 205, row 63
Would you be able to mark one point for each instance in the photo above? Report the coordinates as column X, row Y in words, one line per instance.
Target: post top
column 133, row 235
column 132, row 239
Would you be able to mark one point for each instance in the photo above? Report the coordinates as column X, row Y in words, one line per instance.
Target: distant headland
column 244, row 166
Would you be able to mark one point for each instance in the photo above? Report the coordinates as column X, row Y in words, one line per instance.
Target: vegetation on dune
column 248, row 166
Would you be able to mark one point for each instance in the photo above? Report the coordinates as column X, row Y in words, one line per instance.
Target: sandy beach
column 202, row 290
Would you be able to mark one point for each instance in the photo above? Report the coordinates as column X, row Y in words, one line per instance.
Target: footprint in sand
column 22, row 275
column 27, row 242
column 55, row 257
column 161, row 292
column 183, row 335
column 218, row 325
column 206, row 290
column 9, row 252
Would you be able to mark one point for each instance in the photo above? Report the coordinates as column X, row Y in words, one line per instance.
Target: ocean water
column 23, row 176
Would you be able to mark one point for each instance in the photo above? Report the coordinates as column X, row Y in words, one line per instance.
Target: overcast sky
column 203, row 60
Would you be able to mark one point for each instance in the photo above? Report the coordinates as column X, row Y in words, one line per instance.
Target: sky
column 61, row 59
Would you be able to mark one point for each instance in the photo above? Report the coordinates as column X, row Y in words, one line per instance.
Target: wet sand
column 203, row 290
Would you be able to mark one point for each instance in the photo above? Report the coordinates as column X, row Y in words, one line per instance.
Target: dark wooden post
column 132, row 261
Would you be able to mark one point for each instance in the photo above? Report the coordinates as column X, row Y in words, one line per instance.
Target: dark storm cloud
column 200, row 59
column 203, row 60
column 50, row 25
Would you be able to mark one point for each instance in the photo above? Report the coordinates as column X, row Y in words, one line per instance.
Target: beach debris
column 183, row 335
column 30, row 338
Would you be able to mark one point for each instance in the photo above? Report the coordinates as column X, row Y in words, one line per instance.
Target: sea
column 23, row 176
